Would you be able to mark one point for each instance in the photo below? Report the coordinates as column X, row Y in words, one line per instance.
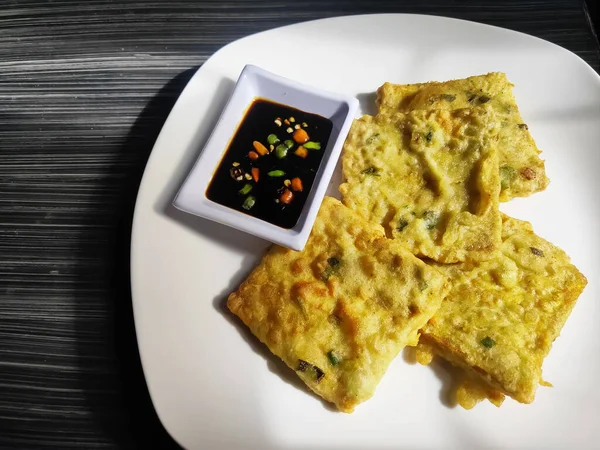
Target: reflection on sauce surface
column 271, row 163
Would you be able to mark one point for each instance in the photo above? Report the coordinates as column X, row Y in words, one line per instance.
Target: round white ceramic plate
column 214, row 386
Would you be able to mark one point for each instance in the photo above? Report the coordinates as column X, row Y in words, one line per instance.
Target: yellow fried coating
column 430, row 178
column 339, row 311
column 522, row 170
column 501, row 316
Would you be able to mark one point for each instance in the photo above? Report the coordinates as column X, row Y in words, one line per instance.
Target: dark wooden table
column 85, row 87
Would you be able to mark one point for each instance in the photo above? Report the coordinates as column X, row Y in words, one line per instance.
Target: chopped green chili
column 289, row 144
column 448, row 97
column 484, row 99
column 276, row 173
column 281, row 151
column 310, row 145
column 429, row 136
column 246, row 189
column 272, row 139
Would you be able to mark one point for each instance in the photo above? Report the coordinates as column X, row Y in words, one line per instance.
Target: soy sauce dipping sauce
column 270, row 165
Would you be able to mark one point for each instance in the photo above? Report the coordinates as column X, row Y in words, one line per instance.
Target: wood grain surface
column 85, row 87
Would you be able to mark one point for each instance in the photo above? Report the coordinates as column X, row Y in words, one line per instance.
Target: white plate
column 213, row 386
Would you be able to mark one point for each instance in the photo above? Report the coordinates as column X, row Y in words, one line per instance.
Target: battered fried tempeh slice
column 521, row 169
column 430, row 178
column 501, row 316
column 339, row 311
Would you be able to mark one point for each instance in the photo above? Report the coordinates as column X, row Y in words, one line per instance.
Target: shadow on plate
column 409, row 355
column 450, row 376
column 225, row 236
column 367, row 103
column 132, row 421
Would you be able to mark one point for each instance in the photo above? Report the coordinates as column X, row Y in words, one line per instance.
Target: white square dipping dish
column 254, row 83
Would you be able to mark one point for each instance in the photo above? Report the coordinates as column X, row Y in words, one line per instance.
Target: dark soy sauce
column 263, row 200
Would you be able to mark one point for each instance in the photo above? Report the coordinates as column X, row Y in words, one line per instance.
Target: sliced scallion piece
column 246, row 189
column 316, row 372
column 431, row 219
column 249, row 203
column 333, row 262
column 371, row 139
column 333, row 358
column 488, row 342
column 507, row 174
column 402, row 224
column 373, row 171
column 333, row 268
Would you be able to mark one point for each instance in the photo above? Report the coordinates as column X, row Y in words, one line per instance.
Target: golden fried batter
column 430, row 178
column 339, row 311
column 501, row 316
column 521, row 169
